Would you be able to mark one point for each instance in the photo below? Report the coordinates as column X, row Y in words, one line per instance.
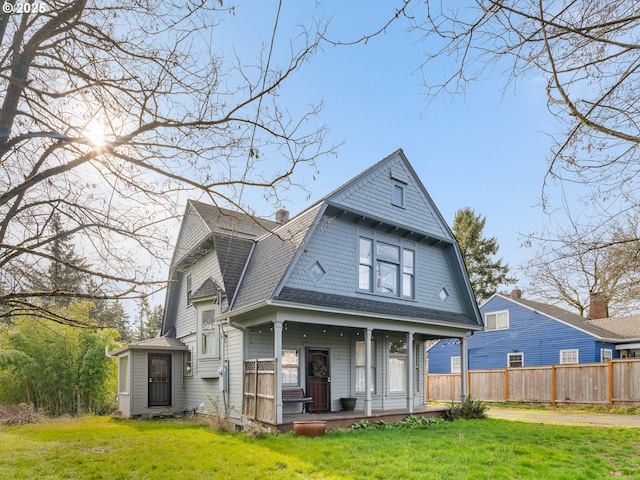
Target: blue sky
column 486, row 150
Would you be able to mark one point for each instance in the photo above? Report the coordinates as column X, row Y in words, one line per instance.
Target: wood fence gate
column 259, row 396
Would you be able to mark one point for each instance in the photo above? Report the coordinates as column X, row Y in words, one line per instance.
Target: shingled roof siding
column 192, row 232
column 271, row 257
column 372, row 193
column 232, row 254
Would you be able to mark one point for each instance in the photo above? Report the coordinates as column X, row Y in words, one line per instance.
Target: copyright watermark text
column 24, row 7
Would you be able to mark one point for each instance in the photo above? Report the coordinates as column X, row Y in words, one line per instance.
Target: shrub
column 18, row 414
column 467, row 410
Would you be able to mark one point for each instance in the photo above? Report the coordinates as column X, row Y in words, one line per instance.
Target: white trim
column 577, row 352
column 627, row 346
column 496, row 313
column 514, row 354
column 452, row 367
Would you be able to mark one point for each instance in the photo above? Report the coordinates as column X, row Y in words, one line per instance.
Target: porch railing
column 259, row 398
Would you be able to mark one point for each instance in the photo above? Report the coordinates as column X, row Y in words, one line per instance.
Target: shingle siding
column 372, row 193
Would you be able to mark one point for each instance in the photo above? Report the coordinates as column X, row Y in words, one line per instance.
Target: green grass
column 103, row 448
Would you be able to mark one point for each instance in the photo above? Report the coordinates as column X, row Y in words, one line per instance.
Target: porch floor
column 343, row 419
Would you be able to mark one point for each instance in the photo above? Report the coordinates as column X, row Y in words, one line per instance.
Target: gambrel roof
column 257, row 256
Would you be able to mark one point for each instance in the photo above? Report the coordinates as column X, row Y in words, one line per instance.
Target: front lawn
column 103, row 448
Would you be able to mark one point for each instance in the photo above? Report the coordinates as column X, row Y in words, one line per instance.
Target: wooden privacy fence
column 259, row 397
column 616, row 382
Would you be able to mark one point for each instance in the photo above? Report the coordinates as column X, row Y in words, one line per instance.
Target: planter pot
column 310, row 428
column 348, row 403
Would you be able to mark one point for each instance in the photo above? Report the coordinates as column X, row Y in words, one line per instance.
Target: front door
column 319, row 379
column 159, row 379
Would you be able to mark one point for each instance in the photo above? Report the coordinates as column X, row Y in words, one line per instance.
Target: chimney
column 598, row 307
column 282, row 216
column 516, row 293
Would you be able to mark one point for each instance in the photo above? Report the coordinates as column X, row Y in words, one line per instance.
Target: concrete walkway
column 565, row 417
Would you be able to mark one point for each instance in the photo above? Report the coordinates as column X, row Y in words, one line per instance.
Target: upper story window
column 386, row 268
column 496, row 321
column 209, row 331
column 397, row 198
column 189, row 288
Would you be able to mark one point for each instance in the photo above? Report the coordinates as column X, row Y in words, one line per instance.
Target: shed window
column 123, row 374
column 496, row 321
column 569, row 356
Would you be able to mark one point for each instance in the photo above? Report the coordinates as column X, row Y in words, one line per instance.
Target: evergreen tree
column 485, row 273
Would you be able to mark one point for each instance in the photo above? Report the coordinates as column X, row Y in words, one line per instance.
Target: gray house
column 266, row 318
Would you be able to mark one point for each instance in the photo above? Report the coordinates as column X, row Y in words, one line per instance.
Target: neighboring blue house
column 521, row 332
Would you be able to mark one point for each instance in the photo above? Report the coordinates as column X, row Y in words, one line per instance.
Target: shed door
column 159, row 379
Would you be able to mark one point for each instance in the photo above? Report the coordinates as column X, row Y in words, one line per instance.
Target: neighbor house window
column 398, row 366
column 455, row 364
column 515, row 359
column 569, row 356
column 188, row 289
column 386, row 268
column 496, row 321
column 123, row 374
column 290, row 367
column 360, row 367
column 210, row 344
column 606, row 354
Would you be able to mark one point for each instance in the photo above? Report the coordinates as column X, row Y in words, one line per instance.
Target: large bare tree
column 108, row 110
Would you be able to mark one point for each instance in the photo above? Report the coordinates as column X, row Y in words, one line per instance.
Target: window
column 123, row 374
column 366, row 259
column 187, row 362
column 360, row 367
column 455, row 364
column 290, row 367
column 210, row 345
column 188, row 289
column 569, row 356
column 515, row 360
column 398, row 195
column 606, row 354
column 394, row 268
column 496, row 321
column 398, row 366
column 316, row 272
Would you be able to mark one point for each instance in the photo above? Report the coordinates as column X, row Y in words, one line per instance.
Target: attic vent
column 443, row 294
column 316, row 272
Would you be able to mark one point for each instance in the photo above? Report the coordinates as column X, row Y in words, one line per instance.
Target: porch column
column 464, row 369
column 367, row 372
column 277, row 353
column 410, row 371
